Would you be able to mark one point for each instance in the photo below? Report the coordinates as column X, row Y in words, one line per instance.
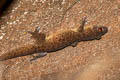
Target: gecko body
column 57, row 41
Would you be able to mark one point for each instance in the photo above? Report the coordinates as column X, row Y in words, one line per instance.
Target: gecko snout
column 100, row 30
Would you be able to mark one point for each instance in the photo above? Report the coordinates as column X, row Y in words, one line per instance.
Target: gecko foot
column 74, row 44
column 38, row 34
column 98, row 38
column 39, row 55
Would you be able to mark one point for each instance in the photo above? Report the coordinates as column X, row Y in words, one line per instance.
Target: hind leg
column 38, row 35
column 41, row 54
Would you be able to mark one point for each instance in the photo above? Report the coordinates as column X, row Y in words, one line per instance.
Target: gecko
column 57, row 41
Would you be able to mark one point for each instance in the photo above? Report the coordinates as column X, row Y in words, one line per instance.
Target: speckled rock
column 90, row 60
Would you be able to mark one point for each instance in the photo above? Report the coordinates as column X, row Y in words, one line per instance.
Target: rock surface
column 90, row 60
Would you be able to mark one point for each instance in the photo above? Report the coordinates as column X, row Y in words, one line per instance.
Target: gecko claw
column 84, row 19
column 38, row 34
column 37, row 29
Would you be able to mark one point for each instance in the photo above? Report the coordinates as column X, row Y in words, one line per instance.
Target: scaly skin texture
column 56, row 41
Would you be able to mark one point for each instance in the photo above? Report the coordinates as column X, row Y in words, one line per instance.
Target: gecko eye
column 100, row 29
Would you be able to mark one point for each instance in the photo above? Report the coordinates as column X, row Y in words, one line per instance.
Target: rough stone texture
column 91, row 60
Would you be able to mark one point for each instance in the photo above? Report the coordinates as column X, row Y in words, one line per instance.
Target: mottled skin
column 57, row 41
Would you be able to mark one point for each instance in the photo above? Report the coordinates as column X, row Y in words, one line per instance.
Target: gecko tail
column 2, row 58
column 5, row 57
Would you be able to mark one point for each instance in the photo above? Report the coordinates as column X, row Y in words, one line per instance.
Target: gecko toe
column 37, row 29
column 39, row 55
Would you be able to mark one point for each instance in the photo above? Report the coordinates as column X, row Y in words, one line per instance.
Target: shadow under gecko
column 57, row 41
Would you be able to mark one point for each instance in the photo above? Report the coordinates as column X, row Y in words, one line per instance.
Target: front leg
column 81, row 28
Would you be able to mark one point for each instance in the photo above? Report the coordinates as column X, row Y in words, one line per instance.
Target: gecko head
column 99, row 31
